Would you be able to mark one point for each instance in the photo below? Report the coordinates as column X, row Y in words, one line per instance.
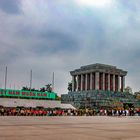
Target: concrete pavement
column 69, row 128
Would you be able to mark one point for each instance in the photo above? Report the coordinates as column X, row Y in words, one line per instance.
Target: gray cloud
column 10, row 6
column 60, row 36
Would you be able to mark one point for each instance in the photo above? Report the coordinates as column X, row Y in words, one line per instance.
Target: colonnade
column 98, row 81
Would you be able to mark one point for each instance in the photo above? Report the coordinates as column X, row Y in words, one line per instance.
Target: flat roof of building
column 97, row 67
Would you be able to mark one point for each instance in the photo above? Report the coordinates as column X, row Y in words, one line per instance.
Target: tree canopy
column 47, row 88
column 128, row 89
column 70, row 86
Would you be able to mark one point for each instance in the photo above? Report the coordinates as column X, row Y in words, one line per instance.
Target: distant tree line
column 47, row 88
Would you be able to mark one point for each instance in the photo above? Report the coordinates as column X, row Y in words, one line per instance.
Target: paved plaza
column 69, row 128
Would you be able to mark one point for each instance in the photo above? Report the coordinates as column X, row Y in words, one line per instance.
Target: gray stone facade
column 97, row 99
column 98, row 85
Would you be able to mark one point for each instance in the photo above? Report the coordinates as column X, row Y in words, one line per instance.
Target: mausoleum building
column 98, row 77
column 99, row 85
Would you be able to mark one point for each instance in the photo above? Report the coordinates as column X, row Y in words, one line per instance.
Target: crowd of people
column 22, row 111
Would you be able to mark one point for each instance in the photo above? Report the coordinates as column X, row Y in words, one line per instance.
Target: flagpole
column 30, row 79
column 53, row 82
column 5, row 79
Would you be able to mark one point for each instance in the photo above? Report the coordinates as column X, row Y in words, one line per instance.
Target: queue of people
column 22, row 111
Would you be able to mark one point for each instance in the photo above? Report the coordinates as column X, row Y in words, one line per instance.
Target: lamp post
column 30, row 80
column 53, row 82
column 5, row 80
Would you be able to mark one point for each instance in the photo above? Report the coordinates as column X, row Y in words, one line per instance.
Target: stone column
column 81, row 82
column 77, row 83
column 106, row 81
column 109, row 82
column 118, row 82
column 86, row 81
column 97, row 80
column 113, row 82
column 103, row 81
column 91, row 81
column 73, row 83
column 122, row 83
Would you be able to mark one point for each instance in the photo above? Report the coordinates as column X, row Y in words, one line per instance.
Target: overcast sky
column 61, row 35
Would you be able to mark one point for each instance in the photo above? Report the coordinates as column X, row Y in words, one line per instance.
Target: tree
column 28, row 89
column 137, row 95
column 25, row 88
column 49, row 87
column 42, row 89
column 58, row 98
column 128, row 90
column 70, row 86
